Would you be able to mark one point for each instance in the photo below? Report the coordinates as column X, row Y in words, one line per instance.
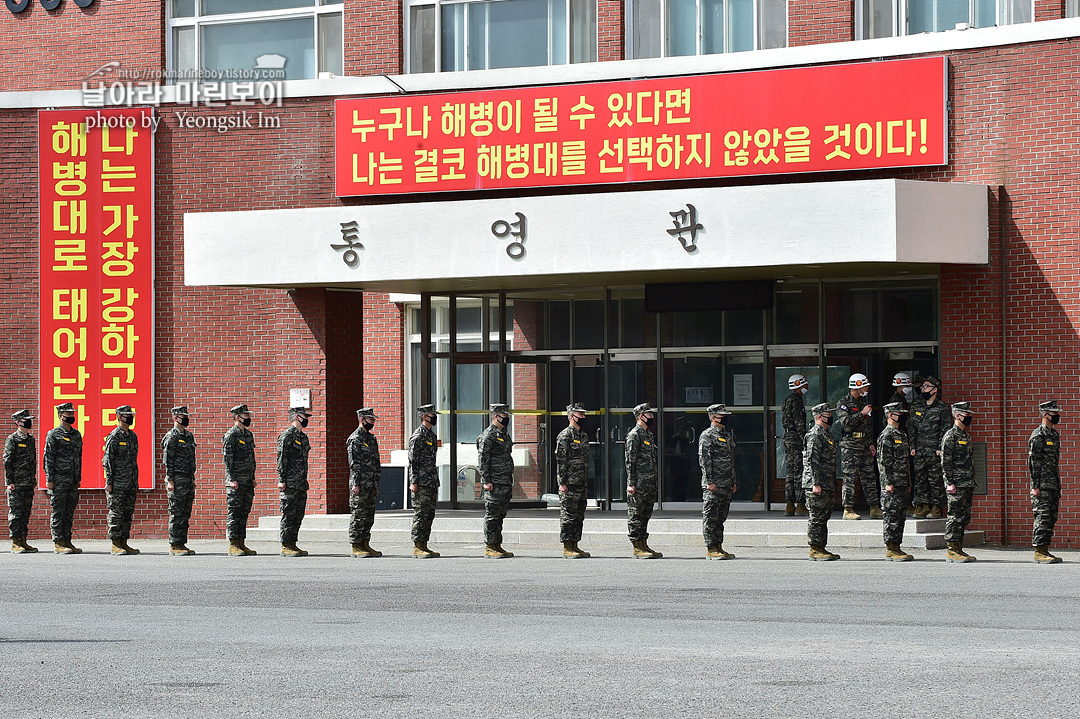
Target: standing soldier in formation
column 20, row 473
column 928, row 422
column 641, row 484
column 63, row 476
column 902, row 394
column 494, row 446
column 819, row 482
column 293, row 448
column 959, row 474
column 572, row 453
column 365, row 470
column 238, row 448
column 893, row 460
column 793, row 420
column 121, row 462
column 716, row 455
column 1044, row 450
column 178, row 456
column 424, row 480
column 857, row 446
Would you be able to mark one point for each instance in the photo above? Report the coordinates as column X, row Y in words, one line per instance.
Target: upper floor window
column 669, row 28
column 1072, row 8
column 227, row 39
column 452, row 35
column 886, row 18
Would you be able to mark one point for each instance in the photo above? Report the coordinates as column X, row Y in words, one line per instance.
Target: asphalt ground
column 769, row 634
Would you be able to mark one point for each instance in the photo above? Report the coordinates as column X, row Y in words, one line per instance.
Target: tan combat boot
column 505, row 554
column 491, row 551
column 647, row 548
column 359, row 550
column 955, row 554
column 568, row 551
column 1043, row 556
column 640, row 551
column 26, row 547
column 180, row 550
column 850, row 513
column 875, row 512
column 920, row 511
column 16, row 545
column 431, row 552
column 236, row 548
column 118, row 548
column 370, row 550
column 894, row 554
column 933, row 511
column 130, row 549
column 819, row 554
column 960, row 548
column 789, row 509
column 291, row 550
column 419, row 551
column 582, row 554
column 801, row 510
column 248, row 551
column 712, row 551
column 72, row 549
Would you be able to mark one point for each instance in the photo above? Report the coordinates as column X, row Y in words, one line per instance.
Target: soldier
column 572, row 453
column 121, row 462
column 178, row 456
column 20, row 472
column 365, row 470
column 819, row 482
column 494, row 446
column 424, row 480
column 641, row 484
column 793, row 419
column 716, row 455
column 292, row 468
column 893, row 457
column 902, row 394
column 238, row 449
column 959, row 480
column 857, row 446
column 1044, row 449
column 63, row 476
column 928, row 422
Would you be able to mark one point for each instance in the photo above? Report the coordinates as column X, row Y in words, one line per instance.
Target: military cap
column 1050, row 406
column 894, row 408
column 65, row 407
column 125, row 409
column 964, row 407
column 500, row 409
column 718, row 409
column 366, row 412
column 821, row 408
column 299, row 412
column 643, row 408
column 181, row 410
column 576, row 407
column 426, row 409
column 240, row 409
column 21, row 415
column 932, row 380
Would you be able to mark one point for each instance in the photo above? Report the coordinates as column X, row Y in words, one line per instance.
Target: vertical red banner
column 96, row 276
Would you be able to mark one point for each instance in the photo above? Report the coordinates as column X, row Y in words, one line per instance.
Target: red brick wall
column 384, row 381
column 811, row 22
column 373, row 37
column 611, row 30
column 1049, row 9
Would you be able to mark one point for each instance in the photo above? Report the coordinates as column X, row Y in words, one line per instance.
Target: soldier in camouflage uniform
column 1044, row 449
column 20, row 473
column 641, row 479
column 572, row 454
column 120, row 459
column 928, row 421
column 793, row 420
column 494, row 446
column 902, row 395
column 959, row 473
column 178, row 456
column 365, row 470
column 293, row 448
column 857, row 446
column 716, row 456
column 819, row 481
column 424, row 480
column 62, row 463
column 238, row 450
column 893, row 460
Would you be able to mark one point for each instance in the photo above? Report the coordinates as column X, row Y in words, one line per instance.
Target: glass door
column 632, row 379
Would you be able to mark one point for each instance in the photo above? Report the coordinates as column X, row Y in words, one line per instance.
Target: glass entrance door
column 632, row 379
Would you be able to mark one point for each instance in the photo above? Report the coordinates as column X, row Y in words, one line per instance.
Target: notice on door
column 742, row 389
column 699, row 395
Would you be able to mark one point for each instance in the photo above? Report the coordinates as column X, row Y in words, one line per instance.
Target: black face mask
column 432, row 419
column 126, row 418
column 966, row 421
column 650, row 423
column 927, row 395
column 246, row 421
column 724, row 421
column 1054, row 419
column 303, row 421
column 67, row 420
column 369, row 425
column 829, row 420
column 28, row 423
column 183, row 421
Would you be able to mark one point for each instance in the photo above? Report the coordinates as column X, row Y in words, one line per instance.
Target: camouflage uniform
column 423, row 472
column 1044, row 448
column 238, row 451
column 819, row 468
column 497, row 469
column 364, row 472
column 641, row 474
column 716, row 456
column 892, row 460
column 20, row 473
column 927, row 425
column 292, row 468
column 121, row 462
column 178, row 456
column 572, row 453
column 957, row 469
column 856, row 439
column 63, row 467
column 793, row 420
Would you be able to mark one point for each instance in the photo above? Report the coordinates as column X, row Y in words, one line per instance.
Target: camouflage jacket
column 856, row 428
column 819, row 459
column 121, row 459
column 641, row 458
column 927, row 425
column 178, row 453
column 572, row 453
column 1044, row 448
column 20, row 460
column 793, row 418
column 364, row 465
column 423, row 449
column 238, row 450
column 898, row 396
column 63, row 456
column 716, row 455
column 496, row 463
column 292, row 459
column 956, row 463
column 893, row 455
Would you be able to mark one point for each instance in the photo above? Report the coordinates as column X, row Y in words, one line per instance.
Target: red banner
column 96, row 272
column 813, row 119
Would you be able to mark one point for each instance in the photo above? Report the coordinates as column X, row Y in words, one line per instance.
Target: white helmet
column 858, row 381
column 901, row 379
column 797, row 381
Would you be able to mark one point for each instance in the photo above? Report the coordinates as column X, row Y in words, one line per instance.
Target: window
column 235, row 39
column 671, row 28
column 886, row 18
column 454, row 35
column 1072, row 8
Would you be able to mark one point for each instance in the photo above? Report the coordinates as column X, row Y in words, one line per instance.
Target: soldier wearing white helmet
column 857, row 446
column 793, row 420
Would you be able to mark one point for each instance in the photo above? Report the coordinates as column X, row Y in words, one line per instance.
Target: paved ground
column 767, row 635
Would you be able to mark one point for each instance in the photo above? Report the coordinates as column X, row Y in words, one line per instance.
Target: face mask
column 369, row 425
column 246, row 421
column 907, row 392
column 28, row 423
column 804, row 390
column 723, row 420
column 649, row 423
column 183, row 421
column 303, row 421
column 67, row 420
column 966, row 421
column 1054, row 419
column 829, row 420
column 125, row 418
column 927, row 395
column 432, row 419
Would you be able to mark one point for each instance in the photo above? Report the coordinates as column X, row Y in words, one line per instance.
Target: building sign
column 96, row 272
column 813, row 119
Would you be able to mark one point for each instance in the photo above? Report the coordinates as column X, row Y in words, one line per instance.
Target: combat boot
column 789, row 509
column 71, row 548
column 894, row 554
column 290, row 549
column 582, row 554
column 960, row 548
column 1043, row 556
column 180, row 550
column 569, row 552
column 650, row 550
column 491, row 551
column 236, row 548
column 247, row 550
column 850, row 513
column 505, row 554
column 119, row 549
column 59, row 548
column 910, row 509
column 955, row 554
column 370, row 550
column 359, row 549
column 875, row 512
column 920, row 511
column 819, row 554
column 933, row 512
column 801, row 510
column 712, row 551
column 26, row 547
column 130, row 549
column 640, row 551
column 431, row 552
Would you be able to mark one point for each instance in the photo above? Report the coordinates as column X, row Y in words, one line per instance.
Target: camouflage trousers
column 857, row 465
column 496, row 504
column 929, row 487
column 362, row 507
column 293, row 504
column 793, row 491
column 572, row 512
column 64, row 499
column 894, row 514
column 1045, row 508
column 121, row 504
column 238, row 502
column 959, row 514
column 714, row 512
column 639, row 509
column 820, row 507
column 20, row 502
column 423, row 502
column 181, row 500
